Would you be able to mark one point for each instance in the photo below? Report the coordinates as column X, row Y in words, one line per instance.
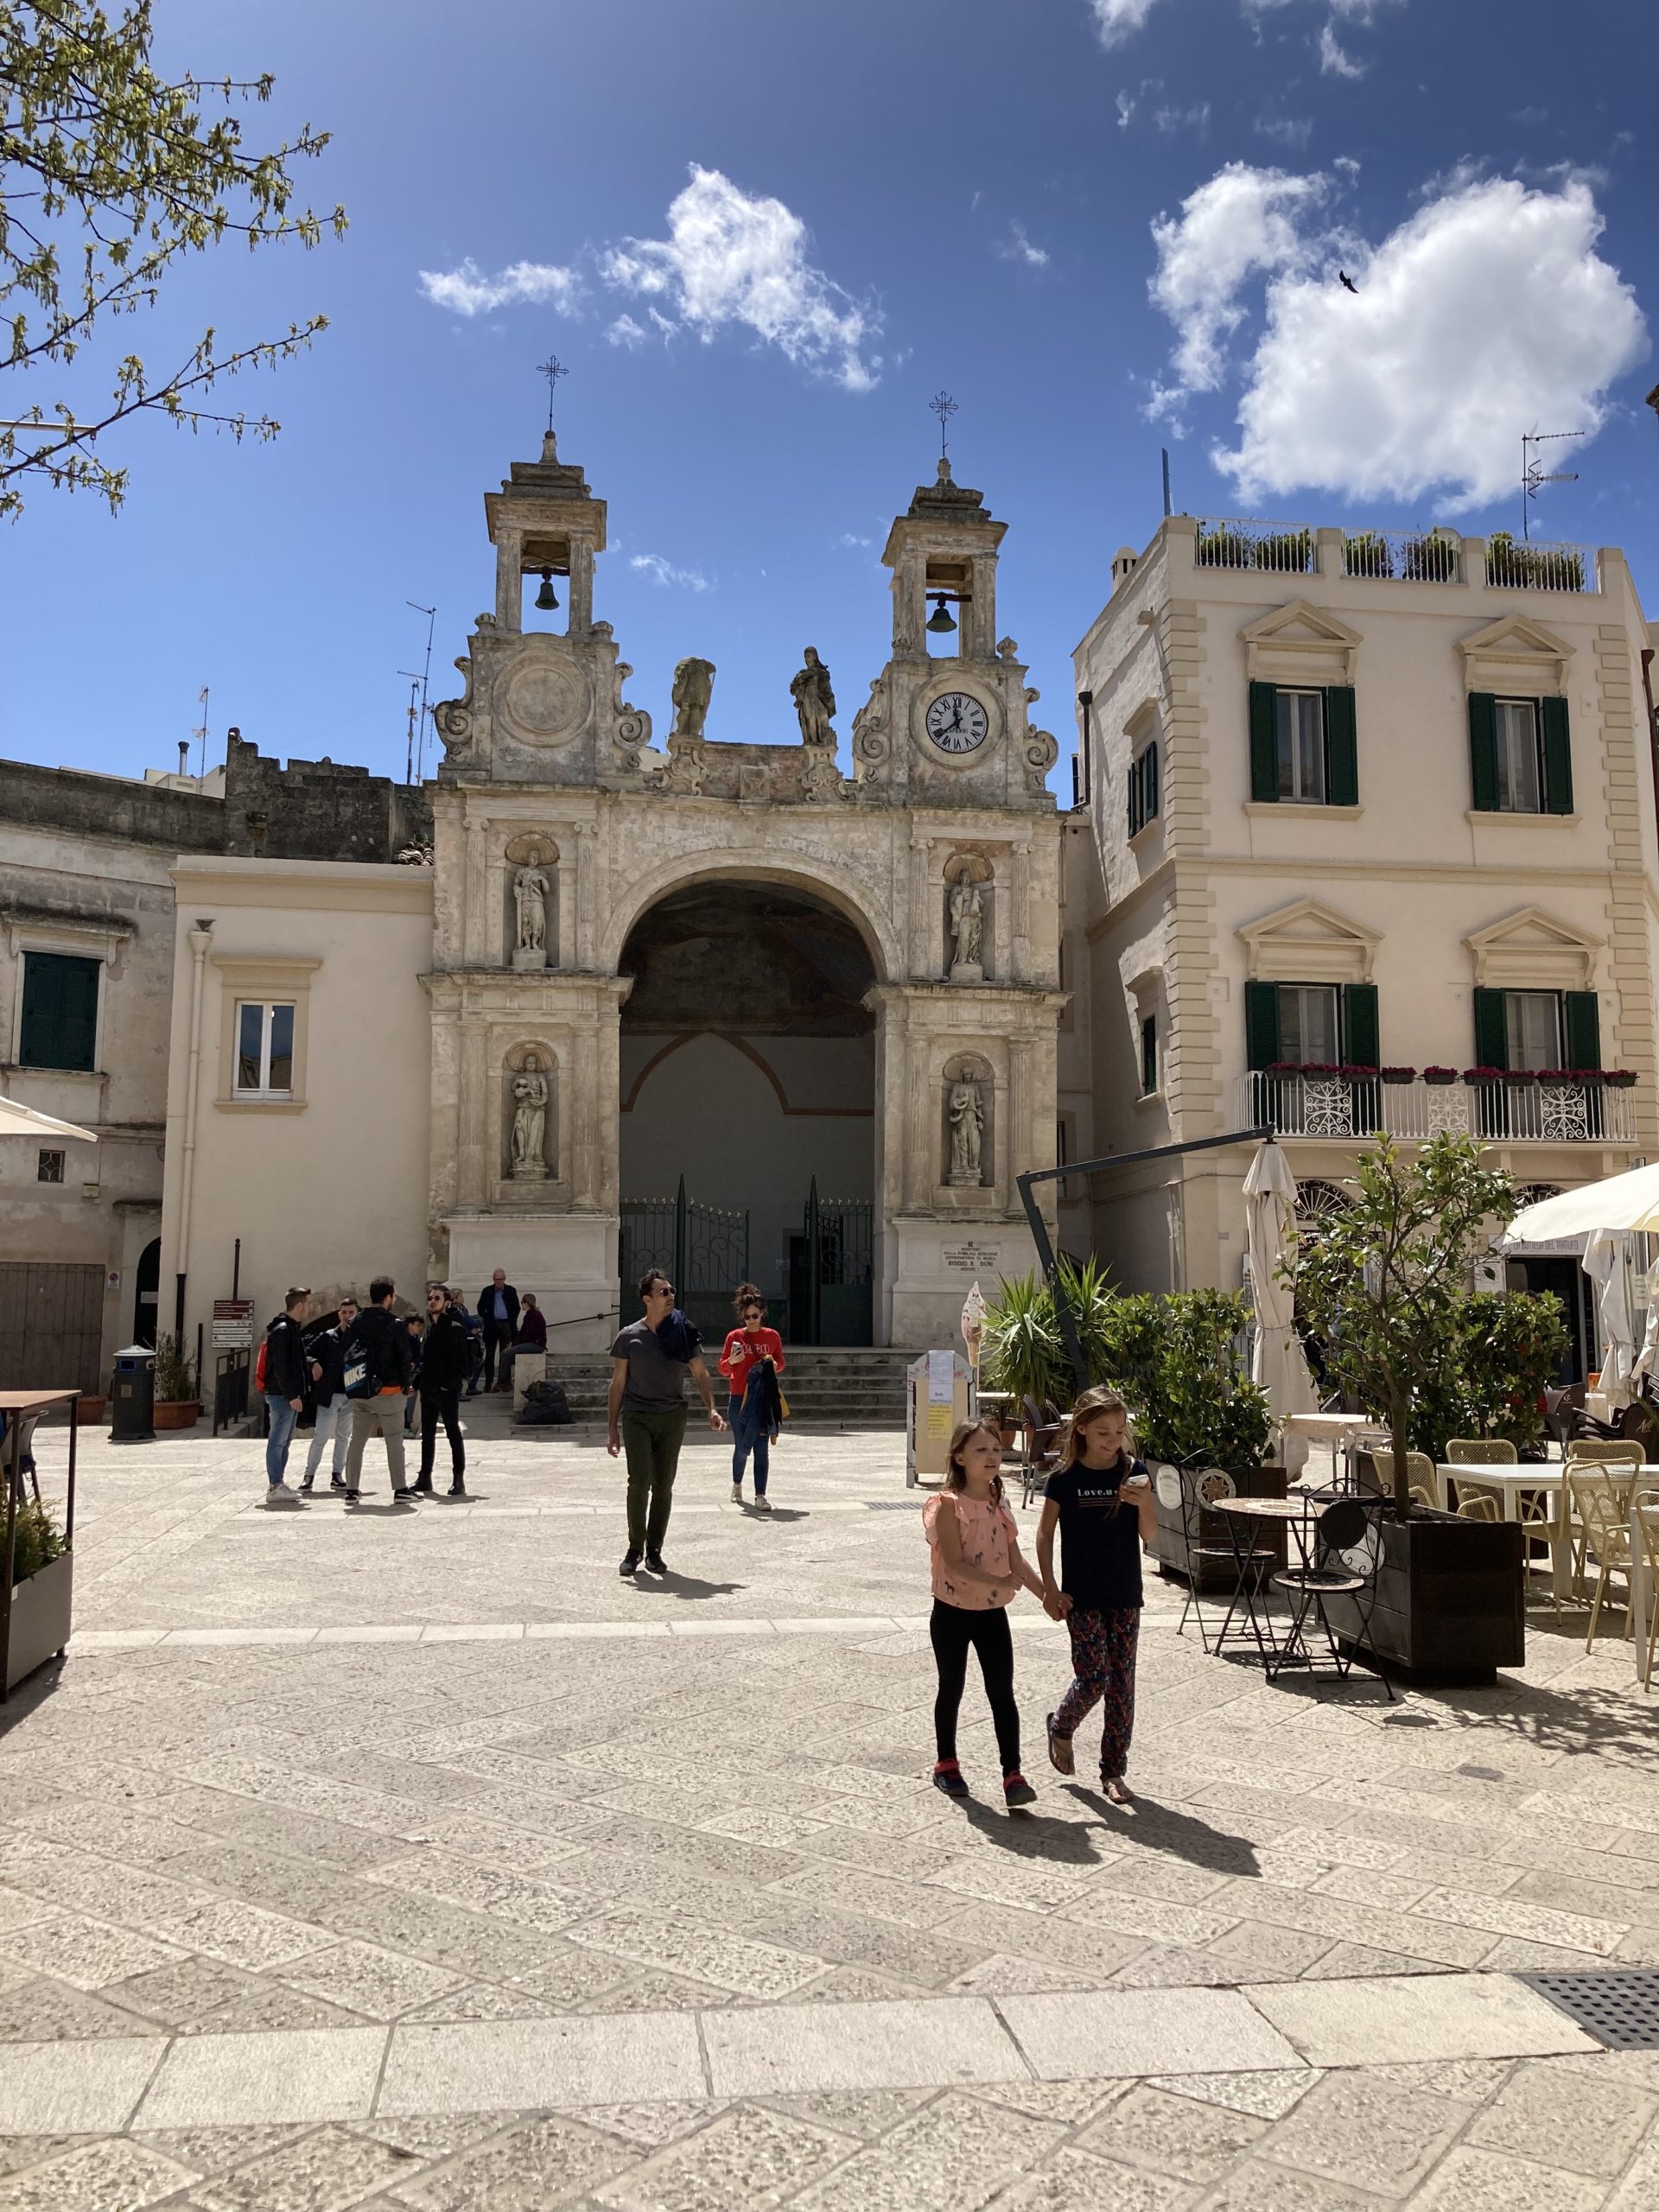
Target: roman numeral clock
column 957, row 722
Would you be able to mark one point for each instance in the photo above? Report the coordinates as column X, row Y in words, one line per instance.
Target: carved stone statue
column 967, row 1117
column 530, row 889
column 694, row 686
column 814, row 702
column 967, row 931
column 530, row 1094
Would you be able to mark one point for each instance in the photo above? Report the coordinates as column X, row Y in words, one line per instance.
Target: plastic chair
column 1482, row 1451
column 1602, row 1509
column 1483, row 1508
column 1374, row 1475
column 1648, row 1528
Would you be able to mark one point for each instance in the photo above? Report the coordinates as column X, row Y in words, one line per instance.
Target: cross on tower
column 944, row 407
column 552, row 368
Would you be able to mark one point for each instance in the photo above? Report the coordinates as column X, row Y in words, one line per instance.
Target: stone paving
column 498, row 1881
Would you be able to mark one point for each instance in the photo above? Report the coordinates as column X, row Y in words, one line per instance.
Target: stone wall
column 316, row 809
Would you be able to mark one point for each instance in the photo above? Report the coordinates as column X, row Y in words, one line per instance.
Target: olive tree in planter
column 41, row 1592
column 1386, row 1285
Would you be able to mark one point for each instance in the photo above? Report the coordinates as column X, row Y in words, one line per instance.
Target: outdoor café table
column 1298, row 1431
column 1507, row 1484
column 1295, row 1513
column 1641, row 1596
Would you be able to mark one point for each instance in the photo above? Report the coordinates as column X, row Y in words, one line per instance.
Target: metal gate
column 832, row 1272
column 704, row 1249
column 51, row 1327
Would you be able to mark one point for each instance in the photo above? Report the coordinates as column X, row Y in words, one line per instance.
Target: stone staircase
column 826, row 1388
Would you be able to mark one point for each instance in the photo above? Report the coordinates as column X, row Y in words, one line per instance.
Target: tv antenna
column 199, row 734
column 1532, row 471
column 552, row 368
column 944, row 407
column 431, row 614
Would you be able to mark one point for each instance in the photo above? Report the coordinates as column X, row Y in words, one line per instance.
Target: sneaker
column 737, row 1493
column 354, row 1497
column 337, row 1481
column 279, row 1494
column 403, row 1489
column 456, row 1490
column 1017, row 1790
column 947, row 1775
column 763, row 1504
column 630, row 1563
column 423, row 1483
column 1060, row 1750
column 656, row 1564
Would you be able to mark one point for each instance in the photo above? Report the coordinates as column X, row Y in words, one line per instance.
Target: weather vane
column 552, row 368
column 944, row 407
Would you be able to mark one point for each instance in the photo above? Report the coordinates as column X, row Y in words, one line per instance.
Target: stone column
column 983, row 609
column 509, row 579
column 1018, row 969
column 581, row 587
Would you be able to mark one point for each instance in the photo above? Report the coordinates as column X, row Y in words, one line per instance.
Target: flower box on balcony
column 1485, row 1075
column 1396, row 1075
column 1440, row 1075
column 1619, row 1078
column 1518, row 1079
column 1571, row 1075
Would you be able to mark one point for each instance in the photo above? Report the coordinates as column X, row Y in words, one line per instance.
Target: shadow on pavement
column 1183, row 1835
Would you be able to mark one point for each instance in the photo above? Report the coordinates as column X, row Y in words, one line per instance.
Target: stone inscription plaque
column 972, row 1259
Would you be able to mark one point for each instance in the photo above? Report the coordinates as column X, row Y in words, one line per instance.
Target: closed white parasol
column 1278, row 1362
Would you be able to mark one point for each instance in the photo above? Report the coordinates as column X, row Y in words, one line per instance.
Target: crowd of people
column 367, row 1372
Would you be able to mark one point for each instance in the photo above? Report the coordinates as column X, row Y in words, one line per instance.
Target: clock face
column 957, row 723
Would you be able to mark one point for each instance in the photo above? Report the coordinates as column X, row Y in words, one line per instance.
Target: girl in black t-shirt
column 1100, row 1499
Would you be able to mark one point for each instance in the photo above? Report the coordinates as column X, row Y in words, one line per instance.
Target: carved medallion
column 545, row 702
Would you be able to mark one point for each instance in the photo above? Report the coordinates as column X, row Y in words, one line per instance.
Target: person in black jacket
column 286, row 1376
column 498, row 1309
column 327, row 1355
column 445, row 1359
column 378, row 1370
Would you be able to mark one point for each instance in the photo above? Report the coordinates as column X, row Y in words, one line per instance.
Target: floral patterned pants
column 1102, row 1655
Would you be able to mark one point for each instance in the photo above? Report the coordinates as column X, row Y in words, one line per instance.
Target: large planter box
column 175, row 1412
column 1170, row 1550
column 41, row 1610
column 1451, row 1598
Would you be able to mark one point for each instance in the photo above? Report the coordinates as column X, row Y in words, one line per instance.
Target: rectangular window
column 1143, row 789
column 265, row 1049
column 49, row 1168
column 1520, row 757
column 1301, row 729
column 1310, row 1029
column 1149, row 1056
column 1532, row 1029
column 60, row 1024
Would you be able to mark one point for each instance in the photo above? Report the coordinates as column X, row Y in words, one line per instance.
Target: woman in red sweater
column 748, row 1346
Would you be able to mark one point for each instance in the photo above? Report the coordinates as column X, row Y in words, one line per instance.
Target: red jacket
column 743, row 1348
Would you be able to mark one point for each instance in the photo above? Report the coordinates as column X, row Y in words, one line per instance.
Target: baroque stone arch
column 529, row 1075
column 967, row 1123
column 816, row 878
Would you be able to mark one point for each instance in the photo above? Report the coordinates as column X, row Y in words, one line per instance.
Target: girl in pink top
column 977, row 1571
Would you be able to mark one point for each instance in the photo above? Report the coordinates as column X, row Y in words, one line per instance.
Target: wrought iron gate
column 832, row 1272
column 705, row 1250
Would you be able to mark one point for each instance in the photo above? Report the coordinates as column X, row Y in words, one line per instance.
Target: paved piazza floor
column 415, row 1861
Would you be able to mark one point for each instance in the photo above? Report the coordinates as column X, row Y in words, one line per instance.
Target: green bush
column 40, row 1541
column 175, row 1373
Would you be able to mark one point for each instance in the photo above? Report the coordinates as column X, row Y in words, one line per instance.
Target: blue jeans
column 749, row 1433
column 282, row 1418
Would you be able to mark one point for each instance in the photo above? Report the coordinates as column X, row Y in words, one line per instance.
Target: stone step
column 853, row 1386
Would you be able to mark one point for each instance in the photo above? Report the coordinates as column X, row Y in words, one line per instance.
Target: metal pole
column 1039, row 1236
column 236, row 1270
column 679, row 1244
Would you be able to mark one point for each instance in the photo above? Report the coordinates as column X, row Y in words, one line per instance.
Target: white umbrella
column 1278, row 1362
column 17, row 1120
column 1622, row 1202
column 1604, row 1263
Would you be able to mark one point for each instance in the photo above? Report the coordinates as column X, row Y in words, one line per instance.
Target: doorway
column 147, row 1293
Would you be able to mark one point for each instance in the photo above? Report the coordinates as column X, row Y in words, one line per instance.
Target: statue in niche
column 967, row 1117
column 694, row 686
column 530, row 1097
column 530, row 890
column 967, row 929
column 814, row 702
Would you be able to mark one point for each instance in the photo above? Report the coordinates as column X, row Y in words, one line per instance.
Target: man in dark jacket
column 327, row 1350
column 286, row 1376
column 378, row 1370
column 498, row 1309
column 444, row 1361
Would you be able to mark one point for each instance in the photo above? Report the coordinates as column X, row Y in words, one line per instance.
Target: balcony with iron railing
column 1432, row 556
column 1558, row 1106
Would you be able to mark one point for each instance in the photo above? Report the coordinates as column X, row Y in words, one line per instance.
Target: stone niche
column 968, row 894
column 528, row 1117
column 530, row 901
column 967, row 1123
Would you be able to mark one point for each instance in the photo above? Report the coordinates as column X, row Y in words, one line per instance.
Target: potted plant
column 1430, row 559
column 1473, row 1076
column 42, row 1592
column 1386, row 1287
column 1396, row 1075
column 1439, row 1075
column 89, row 1409
column 1366, row 553
column 176, row 1405
column 1618, row 1078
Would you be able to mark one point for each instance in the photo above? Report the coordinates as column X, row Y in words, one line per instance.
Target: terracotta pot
column 175, row 1412
column 90, row 1410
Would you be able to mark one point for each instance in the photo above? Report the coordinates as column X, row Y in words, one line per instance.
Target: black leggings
column 955, row 1631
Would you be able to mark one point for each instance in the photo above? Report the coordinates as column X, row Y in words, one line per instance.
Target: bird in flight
column 1346, row 279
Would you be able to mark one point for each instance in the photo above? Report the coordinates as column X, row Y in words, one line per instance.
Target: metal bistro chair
column 1478, row 1451
column 1246, row 1564
column 1346, row 1552
column 1038, row 1445
column 1597, row 1455
column 1601, row 1505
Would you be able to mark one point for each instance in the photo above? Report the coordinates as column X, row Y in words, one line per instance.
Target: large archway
column 747, row 1066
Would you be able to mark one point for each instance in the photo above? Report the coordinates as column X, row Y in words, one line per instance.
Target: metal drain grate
column 1621, row 2010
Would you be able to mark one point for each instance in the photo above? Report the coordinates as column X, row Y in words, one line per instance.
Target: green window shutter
column 1558, row 770
column 1264, row 741
column 1341, row 747
column 1261, row 1024
column 1150, row 760
column 1492, row 1038
column 1360, row 1033
column 1583, row 1030
column 1483, row 758
column 60, row 1024
column 1134, row 788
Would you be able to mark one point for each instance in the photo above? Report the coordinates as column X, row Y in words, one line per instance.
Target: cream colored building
column 716, row 1006
column 1356, row 801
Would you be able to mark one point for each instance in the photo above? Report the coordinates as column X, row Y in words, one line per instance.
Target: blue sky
column 761, row 235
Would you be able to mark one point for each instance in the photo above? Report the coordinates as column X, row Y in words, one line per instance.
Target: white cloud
column 664, row 573
column 1019, row 247
column 1289, row 131
column 850, row 538
column 625, row 331
column 1170, row 120
column 1125, row 110
column 1117, row 20
column 465, row 289
column 1334, row 59
column 1487, row 310
column 734, row 258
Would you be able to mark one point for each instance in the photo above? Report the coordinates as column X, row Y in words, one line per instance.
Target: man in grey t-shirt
column 645, row 1414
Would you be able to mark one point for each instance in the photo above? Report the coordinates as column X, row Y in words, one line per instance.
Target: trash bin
column 132, row 1396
